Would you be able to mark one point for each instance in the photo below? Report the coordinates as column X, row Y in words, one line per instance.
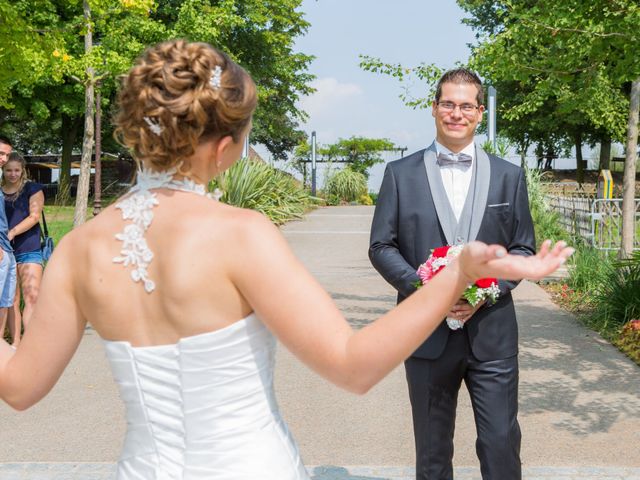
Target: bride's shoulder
column 242, row 220
column 242, row 225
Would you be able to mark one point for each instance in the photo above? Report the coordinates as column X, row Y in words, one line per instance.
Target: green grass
column 59, row 221
column 588, row 268
column 545, row 221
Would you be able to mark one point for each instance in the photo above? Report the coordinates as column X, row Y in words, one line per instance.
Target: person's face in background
column 12, row 171
column 5, row 150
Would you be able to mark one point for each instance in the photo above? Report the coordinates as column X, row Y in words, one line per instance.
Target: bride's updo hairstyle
column 177, row 95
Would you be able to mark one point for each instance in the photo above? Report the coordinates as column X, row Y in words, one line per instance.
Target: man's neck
column 457, row 148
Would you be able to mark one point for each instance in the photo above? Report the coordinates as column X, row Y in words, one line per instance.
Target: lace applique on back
column 138, row 207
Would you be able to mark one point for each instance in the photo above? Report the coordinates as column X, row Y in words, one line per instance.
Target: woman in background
column 24, row 201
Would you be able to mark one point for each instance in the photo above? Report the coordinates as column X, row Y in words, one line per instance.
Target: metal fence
column 599, row 221
column 606, row 223
column 574, row 213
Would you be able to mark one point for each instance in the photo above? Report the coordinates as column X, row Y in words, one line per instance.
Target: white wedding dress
column 203, row 408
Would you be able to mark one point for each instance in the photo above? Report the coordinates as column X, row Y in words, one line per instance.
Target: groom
column 454, row 192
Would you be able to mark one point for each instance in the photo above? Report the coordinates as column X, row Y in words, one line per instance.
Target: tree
column 359, row 153
column 580, row 55
column 54, row 100
column 49, row 77
column 259, row 35
column 80, row 213
column 424, row 73
column 629, row 180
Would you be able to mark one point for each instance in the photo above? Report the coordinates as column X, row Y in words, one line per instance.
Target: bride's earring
column 217, row 192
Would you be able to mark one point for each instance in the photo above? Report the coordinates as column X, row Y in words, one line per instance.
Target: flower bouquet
column 482, row 289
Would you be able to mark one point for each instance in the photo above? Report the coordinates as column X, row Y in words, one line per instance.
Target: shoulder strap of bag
column 45, row 231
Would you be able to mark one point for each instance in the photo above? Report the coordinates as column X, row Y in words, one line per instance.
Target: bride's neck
column 198, row 167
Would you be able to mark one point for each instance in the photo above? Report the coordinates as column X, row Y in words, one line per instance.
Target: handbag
column 46, row 243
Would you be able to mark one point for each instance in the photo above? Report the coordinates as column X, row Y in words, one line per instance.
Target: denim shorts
column 7, row 279
column 34, row 256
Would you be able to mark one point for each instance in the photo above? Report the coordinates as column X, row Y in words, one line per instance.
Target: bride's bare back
column 194, row 241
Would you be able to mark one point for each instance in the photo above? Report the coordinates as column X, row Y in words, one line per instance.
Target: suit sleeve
column 384, row 251
column 523, row 240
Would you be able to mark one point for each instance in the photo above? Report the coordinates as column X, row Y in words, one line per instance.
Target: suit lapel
column 482, row 180
column 443, row 208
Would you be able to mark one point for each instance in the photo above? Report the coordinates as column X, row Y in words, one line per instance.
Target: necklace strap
column 138, row 208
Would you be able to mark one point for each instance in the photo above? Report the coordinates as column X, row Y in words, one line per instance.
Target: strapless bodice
column 204, row 408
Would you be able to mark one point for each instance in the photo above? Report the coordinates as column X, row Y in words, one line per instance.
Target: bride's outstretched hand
column 479, row 260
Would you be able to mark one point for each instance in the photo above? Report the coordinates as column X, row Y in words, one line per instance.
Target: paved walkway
column 579, row 397
column 104, row 471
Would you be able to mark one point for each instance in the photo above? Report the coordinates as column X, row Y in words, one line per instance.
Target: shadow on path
column 331, row 472
column 570, row 370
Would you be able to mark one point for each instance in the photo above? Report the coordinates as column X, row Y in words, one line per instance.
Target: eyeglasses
column 466, row 108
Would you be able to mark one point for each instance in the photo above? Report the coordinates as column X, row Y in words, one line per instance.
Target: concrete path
column 579, row 397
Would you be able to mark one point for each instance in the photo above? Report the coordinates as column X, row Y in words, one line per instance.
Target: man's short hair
column 461, row 75
column 5, row 140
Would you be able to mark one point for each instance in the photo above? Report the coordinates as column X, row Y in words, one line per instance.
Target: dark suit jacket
column 406, row 227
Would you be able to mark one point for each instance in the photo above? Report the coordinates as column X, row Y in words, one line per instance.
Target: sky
column 350, row 101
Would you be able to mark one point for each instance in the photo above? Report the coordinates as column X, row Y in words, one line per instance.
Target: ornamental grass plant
column 588, row 267
column 345, row 186
column 259, row 186
column 617, row 298
column 545, row 220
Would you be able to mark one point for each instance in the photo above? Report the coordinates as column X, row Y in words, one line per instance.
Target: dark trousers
column 493, row 388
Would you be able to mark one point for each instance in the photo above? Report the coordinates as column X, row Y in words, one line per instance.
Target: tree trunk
column 69, row 133
column 579, row 162
column 523, row 147
column 82, row 196
column 629, row 181
column 605, row 153
column 97, row 184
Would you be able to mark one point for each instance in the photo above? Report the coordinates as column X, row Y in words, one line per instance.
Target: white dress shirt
column 457, row 178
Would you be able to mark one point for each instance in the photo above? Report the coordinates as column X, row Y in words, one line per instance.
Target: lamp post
column 313, row 163
column 245, row 147
column 492, row 117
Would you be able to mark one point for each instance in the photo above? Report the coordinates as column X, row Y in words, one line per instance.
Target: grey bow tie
column 462, row 159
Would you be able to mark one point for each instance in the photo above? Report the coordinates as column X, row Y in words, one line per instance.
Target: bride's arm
column 55, row 330
column 303, row 316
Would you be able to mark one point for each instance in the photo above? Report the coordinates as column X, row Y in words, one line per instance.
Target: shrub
column 365, row 200
column 588, row 268
column 545, row 220
column 629, row 340
column 618, row 296
column 346, row 185
column 259, row 186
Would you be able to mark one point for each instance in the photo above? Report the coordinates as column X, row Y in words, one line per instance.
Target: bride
column 189, row 294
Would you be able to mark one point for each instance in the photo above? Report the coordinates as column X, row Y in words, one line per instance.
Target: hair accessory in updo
column 154, row 126
column 216, row 76
column 178, row 96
